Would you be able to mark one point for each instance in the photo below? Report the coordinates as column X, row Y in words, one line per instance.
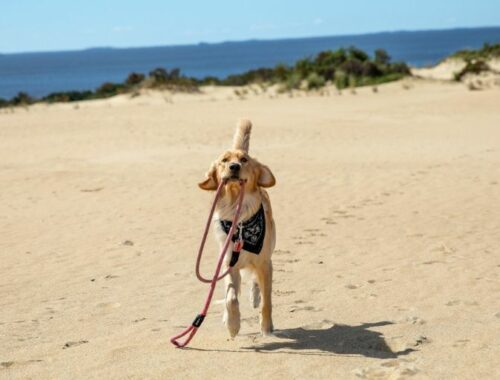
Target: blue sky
column 47, row 25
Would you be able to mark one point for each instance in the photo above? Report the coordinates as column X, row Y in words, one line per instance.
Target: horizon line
column 248, row 40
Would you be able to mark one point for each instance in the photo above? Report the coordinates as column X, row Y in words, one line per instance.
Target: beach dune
column 387, row 207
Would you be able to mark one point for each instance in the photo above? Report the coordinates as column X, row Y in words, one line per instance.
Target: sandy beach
column 387, row 207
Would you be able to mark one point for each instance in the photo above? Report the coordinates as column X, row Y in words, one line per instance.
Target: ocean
column 42, row 73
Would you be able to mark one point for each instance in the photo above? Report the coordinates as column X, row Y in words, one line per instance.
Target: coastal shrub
column 400, row 68
column 485, row 52
column 472, row 67
column 22, row 99
column 304, row 67
column 281, row 72
column 357, row 54
column 4, row 103
column 331, row 58
column 109, row 89
column 352, row 67
column 293, row 82
column 69, row 96
column 134, row 79
column 382, row 57
column 370, row 69
column 341, row 80
column 210, row 81
column 253, row 76
column 315, row 81
column 327, row 62
column 159, row 75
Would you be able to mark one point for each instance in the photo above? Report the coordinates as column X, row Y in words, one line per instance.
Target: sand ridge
column 386, row 268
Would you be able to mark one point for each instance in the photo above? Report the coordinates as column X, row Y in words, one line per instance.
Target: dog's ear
column 210, row 183
column 266, row 177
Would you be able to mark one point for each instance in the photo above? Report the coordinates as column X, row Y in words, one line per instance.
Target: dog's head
column 236, row 164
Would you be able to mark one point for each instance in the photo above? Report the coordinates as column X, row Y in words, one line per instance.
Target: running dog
column 255, row 226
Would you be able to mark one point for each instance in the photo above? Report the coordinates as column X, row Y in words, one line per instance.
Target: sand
column 387, row 208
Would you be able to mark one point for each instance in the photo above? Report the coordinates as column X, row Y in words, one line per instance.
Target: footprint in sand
column 281, row 251
column 414, row 320
column 280, row 293
column 352, row 286
column 433, row 262
column 388, row 370
column 294, row 309
column 318, row 290
column 328, row 220
column 303, row 242
column 74, row 344
column 12, row 363
column 461, row 342
column 106, row 307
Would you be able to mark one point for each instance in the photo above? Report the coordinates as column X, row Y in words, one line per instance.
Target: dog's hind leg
column 232, row 311
column 265, row 280
column 255, row 294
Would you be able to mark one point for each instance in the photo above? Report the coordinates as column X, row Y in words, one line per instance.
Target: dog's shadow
column 337, row 339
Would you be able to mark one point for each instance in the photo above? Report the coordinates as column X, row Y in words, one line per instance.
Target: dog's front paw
column 232, row 318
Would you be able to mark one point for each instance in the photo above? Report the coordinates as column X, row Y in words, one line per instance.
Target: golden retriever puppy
column 255, row 226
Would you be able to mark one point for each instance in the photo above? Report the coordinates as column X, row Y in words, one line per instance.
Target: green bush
column 400, row 68
column 304, row 67
column 281, row 72
column 134, row 79
column 315, row 81
column 353, row 67
column 371, row 69
column 293, row 81
column 472, row 67
column 22, row 99
column 109, row 89
column 357, row 54
column 70, row 96
column 382, row 57
column 486, row 52
column 341, row 80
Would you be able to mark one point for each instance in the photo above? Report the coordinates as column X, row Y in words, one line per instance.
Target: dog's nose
column 235, row 167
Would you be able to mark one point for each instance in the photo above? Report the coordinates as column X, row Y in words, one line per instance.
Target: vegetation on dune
column 343, row 67
column 472, row 67
column 486, row 52
column 475, row 60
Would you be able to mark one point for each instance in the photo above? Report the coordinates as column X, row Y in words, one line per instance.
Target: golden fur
column 258, row 177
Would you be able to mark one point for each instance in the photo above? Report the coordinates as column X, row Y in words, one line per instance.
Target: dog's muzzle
column 234, row 171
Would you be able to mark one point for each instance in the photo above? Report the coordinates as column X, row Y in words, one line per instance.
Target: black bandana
column 254, row 230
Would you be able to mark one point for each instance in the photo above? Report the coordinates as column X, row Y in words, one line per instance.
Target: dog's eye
column 224, row 160
column 244, row 159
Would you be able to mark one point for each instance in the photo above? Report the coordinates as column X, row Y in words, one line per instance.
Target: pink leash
column 191, row 330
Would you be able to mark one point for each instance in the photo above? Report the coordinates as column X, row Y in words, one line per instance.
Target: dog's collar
column 252, row 231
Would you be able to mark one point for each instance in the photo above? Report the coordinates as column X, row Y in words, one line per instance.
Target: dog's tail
column 241, row 138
